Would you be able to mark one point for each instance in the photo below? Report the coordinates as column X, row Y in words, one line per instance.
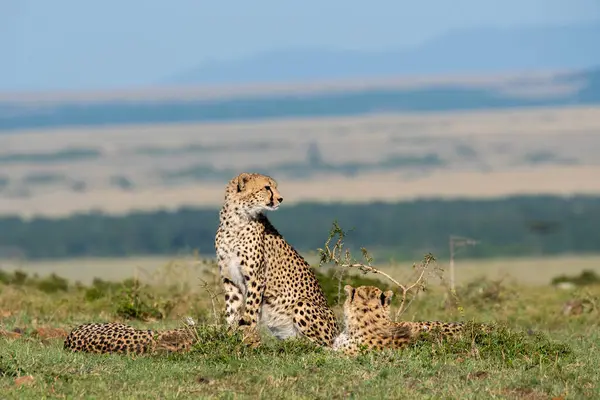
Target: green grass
column 221, row 369
column 285, row 371
column 537, row 352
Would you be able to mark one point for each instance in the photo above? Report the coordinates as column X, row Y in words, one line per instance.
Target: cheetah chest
column 233, row 267
column 237, row 241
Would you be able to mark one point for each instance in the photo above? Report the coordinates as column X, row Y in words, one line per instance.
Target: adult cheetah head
column 253, row 193
column 366, row 300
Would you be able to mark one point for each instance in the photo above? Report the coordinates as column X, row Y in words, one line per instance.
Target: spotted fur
column 121, row 338
column 265, row 279
column 368, row 324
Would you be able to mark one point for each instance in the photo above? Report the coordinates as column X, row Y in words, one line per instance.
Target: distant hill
column 484, row 50
column 584, row 89
column 591, row 91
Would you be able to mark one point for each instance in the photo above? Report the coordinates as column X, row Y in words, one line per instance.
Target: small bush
column 19, row 278
column 50, row 284
column 101, row 289
column 93, row 293
column 586, row 277
column 5, row 277
column 135, row 302
column 53, row 284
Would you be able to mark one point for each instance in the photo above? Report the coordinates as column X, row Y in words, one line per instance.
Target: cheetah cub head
column 253, row 194
column 366, row 301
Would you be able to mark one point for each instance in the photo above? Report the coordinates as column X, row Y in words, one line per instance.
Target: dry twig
column 342, row 258
column 213, row 298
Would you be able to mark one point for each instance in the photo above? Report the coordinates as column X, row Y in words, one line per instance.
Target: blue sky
column 79, row 45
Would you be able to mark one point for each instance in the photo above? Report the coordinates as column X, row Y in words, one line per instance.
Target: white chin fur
column 256, row 211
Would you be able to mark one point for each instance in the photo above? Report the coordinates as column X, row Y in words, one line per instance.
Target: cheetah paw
column 251, row 338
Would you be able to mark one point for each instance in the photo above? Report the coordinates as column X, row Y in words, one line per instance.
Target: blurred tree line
column 522, row 225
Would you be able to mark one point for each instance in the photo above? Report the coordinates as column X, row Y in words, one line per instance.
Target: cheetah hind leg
column 316, row 322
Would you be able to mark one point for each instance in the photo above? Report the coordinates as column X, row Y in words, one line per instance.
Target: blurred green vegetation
column 515, row 226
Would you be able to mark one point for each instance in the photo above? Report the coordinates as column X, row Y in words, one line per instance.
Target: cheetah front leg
column 345, row 344
column 233, row 286
column 316, row 322
column 255, row 279
column 234, row 297
column 243, row 277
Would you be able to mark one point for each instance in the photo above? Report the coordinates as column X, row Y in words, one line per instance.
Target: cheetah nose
column 280, row 199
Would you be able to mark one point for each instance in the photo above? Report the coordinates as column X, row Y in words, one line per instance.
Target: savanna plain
column 545, row 345
column 390, row 157
column 546, row 342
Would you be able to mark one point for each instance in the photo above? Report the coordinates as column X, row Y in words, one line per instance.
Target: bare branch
column 330, row 254
column 213, row 299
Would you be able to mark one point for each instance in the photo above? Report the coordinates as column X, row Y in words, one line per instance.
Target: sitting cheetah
column 264, row 278
column 120, row 338
column 369, row 326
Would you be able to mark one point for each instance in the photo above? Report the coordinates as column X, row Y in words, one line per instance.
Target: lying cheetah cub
column 264, row 278
column 369, row 326
column 114, row 337
column 367, row 322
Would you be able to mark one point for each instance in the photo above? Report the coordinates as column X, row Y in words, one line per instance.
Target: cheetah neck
column 235, row 217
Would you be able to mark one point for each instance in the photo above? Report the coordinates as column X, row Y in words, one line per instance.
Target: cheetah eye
column 268, row 187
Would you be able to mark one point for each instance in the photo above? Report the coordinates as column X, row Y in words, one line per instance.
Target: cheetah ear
column 386, row 297
column 243, row 178
column 349, row 292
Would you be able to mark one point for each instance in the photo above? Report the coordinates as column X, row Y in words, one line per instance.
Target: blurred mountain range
column 580, row 87
column 571, row 51
column 481, row 51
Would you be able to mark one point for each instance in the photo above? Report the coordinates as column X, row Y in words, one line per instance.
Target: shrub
column 53, row 284
column 135, row 302
column 19, row 278
column 586, row 277
column 100, row 289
